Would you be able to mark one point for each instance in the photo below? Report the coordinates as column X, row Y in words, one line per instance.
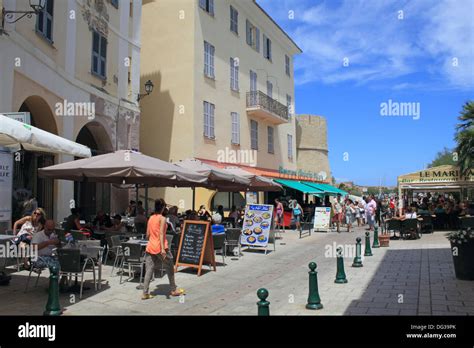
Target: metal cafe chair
column 218, row 241
column 133, row 256
column 232, row 239
column 408, row 225
column 393, row 225
column 271, row 239
column 114, row 244
column 70, row 263
column 37, row 270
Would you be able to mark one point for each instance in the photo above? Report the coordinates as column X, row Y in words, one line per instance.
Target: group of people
column 347, row 212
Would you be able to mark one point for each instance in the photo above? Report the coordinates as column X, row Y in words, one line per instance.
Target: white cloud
column 379, row 45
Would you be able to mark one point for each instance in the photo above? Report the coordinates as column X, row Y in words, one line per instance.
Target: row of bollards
column 314, row 301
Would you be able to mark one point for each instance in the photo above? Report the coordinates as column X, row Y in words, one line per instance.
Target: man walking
column 337, row 208
column 370, row 211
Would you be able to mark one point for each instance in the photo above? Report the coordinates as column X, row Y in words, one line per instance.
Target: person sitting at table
column 203, row 214
column 117, row 225
column 140, row 220
column 30, row 225
column 102, row 219
column 439, row 209
column 216, row 227
column 220, row 210
column 131, row 209
column 73, row 221
column 423, row 210
column 234, row 214
column 46, row 241
column 172, row 219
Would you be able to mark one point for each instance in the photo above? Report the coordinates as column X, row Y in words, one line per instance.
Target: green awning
column 326, row 188
column 300, row 186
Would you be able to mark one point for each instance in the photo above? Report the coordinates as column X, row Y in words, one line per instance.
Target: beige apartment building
column 73, row 53
column 224, row 90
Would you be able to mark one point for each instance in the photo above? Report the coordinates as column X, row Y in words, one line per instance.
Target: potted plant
column 462, row 248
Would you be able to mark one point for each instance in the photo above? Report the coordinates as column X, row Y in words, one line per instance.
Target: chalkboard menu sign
column 196, row 247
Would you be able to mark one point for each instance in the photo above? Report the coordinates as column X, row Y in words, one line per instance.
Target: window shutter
column 247, row 28
column 212, row 49
column 257, row 39
column 211, row 7
column 269, row 49
column 211, row 120
column 202, row 4
column 265, row 51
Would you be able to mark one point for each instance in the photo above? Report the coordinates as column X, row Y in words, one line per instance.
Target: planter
column 384, row 240
column 464, row 261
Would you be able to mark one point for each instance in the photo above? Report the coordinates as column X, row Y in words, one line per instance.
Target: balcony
column 261, row 106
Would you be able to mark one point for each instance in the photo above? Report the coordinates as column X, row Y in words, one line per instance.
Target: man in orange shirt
column 157, row 250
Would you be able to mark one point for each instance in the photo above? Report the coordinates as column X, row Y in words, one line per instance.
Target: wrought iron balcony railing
column 259, row 100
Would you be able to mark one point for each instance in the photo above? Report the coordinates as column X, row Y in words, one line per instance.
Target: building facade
column 75, row 68
column 224, row 89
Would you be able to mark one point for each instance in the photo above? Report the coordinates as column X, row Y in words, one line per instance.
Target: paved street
column 412, row 277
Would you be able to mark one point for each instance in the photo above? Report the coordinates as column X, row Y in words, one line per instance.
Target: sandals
column 177, row 292
column 147, row 296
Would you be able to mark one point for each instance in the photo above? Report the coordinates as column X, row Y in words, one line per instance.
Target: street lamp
column 15, row 16
column 148, row 89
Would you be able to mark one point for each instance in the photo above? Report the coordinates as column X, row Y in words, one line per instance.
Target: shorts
column 297, row 218
column 370, row 219
column 337, row 217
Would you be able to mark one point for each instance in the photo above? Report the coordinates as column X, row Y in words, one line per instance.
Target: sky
column 363, row 59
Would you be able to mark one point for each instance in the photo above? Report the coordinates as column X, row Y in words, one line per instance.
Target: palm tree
column 465, row 137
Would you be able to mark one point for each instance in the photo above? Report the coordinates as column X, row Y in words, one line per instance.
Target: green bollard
column 368, row 251
column 376, row 238
column 357, row 259
column 263, row 304
column 314, row 301
column 340, row 275
column 52, row 306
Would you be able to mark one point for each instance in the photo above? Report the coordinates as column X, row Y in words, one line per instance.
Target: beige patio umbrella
column 257, row 182
column 125, row 167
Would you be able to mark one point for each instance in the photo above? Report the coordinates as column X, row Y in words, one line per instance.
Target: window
column 270, row 139
column 209, row 120
column 253, row 81
column 267, row 47
column 209, row 60
column 99, row 54
column 234, row 74
column 269, row 89
column 253, row 135
column 44, row 21
column 288, row 104
column 253, row 36
column 235, row 128
column 207, row 5
column 290, row 146
column 115, row 3
column 234, row 20
column 287, row 65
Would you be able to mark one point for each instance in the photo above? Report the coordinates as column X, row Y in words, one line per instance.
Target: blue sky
column 413, row 51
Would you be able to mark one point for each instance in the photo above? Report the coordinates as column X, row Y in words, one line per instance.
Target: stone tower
column 312, row 145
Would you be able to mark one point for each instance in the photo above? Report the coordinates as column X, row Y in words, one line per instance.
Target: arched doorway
column 26, row 182
column 90, row 196
column 227, row 200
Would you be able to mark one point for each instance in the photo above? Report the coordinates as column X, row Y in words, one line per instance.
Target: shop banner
column 322, row 218
column 6, row 177
column 257, row 223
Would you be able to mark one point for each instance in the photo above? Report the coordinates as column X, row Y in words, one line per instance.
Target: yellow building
column 224, row 89
column 74, row 68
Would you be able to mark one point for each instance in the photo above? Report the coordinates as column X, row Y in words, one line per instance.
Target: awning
column 300, row 186
column 16, row 135
column 326, row 188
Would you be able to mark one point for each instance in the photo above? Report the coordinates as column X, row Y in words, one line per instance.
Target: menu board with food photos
column 196, row 246
column 257, row 224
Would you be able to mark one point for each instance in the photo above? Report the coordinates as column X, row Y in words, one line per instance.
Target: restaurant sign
column 23, row 117
column 321, row 176
column 438, row 174
column 6, row 177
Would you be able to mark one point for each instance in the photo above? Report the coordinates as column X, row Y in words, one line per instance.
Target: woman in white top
column 29, row 226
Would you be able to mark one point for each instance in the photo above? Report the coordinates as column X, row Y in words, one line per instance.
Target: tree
column 443, row 157
column 465, row 137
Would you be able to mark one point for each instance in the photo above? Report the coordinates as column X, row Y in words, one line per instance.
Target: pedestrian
column 370, row 212
column 279, row 214
column 297, row 213
column 337, row 208
column 157, row 251
column 350, row 213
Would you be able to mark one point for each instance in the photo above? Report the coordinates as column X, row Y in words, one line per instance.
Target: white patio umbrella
column 16, row 135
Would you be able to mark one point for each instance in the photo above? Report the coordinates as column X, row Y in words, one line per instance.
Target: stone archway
column 26, row 183
column 91, row 197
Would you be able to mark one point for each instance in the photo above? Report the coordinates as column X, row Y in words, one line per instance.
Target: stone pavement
column 411, row 277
